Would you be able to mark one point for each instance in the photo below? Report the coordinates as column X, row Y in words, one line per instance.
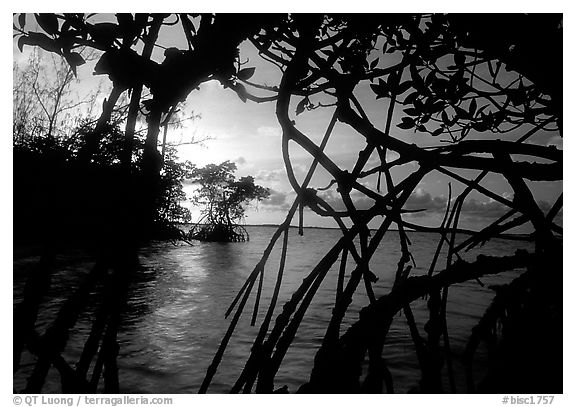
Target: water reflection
column 175, row 315
column 174, row 319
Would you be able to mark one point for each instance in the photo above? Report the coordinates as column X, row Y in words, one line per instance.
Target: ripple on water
column 174, row 319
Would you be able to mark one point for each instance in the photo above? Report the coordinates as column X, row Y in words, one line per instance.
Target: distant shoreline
column 507, row 236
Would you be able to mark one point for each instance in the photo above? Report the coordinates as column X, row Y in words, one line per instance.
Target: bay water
column 174, row 320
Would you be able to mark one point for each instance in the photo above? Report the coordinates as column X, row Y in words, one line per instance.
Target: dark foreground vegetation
column 479, row 88
column 57, row 196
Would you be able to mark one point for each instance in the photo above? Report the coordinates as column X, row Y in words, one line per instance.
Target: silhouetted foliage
column 476, row 88
column 174, row 173
column 454, row 86
column 53, row 185
column 223, row 198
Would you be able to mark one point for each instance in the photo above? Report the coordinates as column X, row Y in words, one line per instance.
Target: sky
column 221, row 122
column 249, row 135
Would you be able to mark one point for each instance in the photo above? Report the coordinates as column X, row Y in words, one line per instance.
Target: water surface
column 174, row 319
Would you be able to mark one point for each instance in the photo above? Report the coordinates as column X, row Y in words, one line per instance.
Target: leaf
column 430, row 78
column 461, row 112
column 22, row 20
column 246, row 73
column 403, row 87
column 407, row 123
column 416, row 78
column 43, row 41
column 75, row 59
column 48, row 22
column 302, row 105
column 445, row 118
column 418, row 104
column 380, row 89
column 499, row 118
column 472, row 108
column 404, row 126
column 241, row 91
column 412, row 112
column 437, row 106
column 23, row 41
column 374, row 63
column 479, row 111
column 437, row 132
column 479, row 126
column 411, row 98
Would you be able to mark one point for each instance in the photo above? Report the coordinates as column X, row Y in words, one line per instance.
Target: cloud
column 279, row 174
column 276, row 201
column 269, row 175
column 240, row 161
column 300, row 170
column 333, row 199
column 490, row 209
column 421, row 199
column 375, row 157
column 472, row 210
column 275, row 198
column 279, row 200
column 269, row 131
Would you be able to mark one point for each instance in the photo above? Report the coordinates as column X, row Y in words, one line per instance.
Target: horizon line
column 517, row 236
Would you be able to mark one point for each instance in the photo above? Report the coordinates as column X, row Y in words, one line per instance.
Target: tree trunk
column 92, row 141
column 134, row 107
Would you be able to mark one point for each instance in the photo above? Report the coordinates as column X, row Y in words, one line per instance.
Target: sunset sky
column 249, row 135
